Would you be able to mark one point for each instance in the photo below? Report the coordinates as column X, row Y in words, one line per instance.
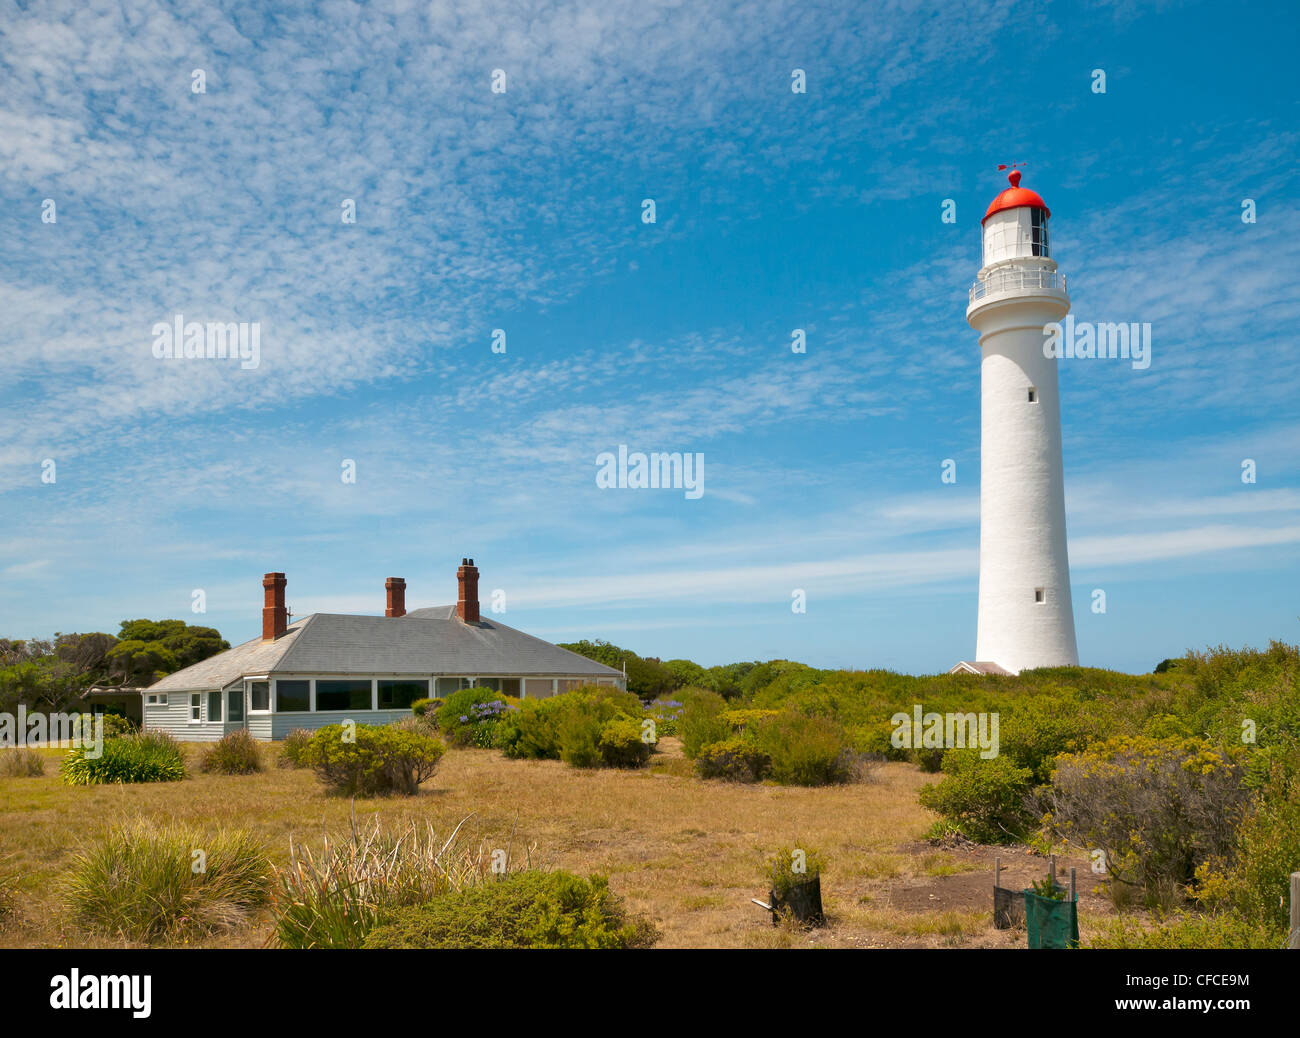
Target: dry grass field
column 688, row 853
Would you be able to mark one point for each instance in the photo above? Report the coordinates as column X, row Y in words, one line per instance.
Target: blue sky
column 522, row 211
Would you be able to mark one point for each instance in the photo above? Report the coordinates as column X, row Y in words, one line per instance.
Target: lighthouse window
column 1040, row 596
column 1033, row 395
column 1038, row 232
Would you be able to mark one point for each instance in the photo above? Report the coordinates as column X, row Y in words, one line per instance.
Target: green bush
column 1222, row 930
column 621, row 745
column 147, row 757
column 293, row 749
column 423, row 707
column 577, row 727
column 149, row 883
column 792, row 867
column 525, row 910
column 235, row 753
column 579, row 734
column 471, row 716
column 369, row 760
column 1158, row 808
column 1253, row 881
column 21, row 762
column 701, row 722
column 985, row 799
column 736, row 759
column 806, row 751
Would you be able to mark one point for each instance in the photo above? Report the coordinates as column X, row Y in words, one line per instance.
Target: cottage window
column 156, row 699
column 399, row 695
column 214, row 706
column 196, row 707
column 292, row 696
column 343, row 694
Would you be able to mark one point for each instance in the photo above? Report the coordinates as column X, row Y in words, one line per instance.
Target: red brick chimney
column 396, row 588
column 467, row 579
column 275, row 618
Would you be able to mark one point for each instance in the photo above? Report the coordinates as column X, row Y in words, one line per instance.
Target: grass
column 687, row 854
column 152, row 883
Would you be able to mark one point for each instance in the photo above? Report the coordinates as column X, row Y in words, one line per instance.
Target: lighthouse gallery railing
column 1013, row 280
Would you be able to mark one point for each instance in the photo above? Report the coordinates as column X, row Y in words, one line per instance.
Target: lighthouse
column 1025, row 616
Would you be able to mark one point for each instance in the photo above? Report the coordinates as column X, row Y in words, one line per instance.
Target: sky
column 129, row 482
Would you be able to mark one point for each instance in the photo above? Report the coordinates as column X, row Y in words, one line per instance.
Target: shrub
column 470, row 717
column 701, row 723
column 1037, row 731
column 332, row 900
column 426, row 707
column 21, row 762
column 526, row 910
column 142, row 882
column 579, row 737
column 1254, row 880
column 1158, row 808
column 585, row 728
column 736, row 759
column 985, row 799
column 147, row 757
column 532, row 731
column 1222, row 930
column 294, row 748
column 806, row 751
column 621, row 745
column 371, row 760
column 235, row 753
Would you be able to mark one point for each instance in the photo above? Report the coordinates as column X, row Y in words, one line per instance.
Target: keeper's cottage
column 328, row 667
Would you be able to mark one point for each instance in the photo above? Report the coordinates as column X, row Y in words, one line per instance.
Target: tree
column 148, row 650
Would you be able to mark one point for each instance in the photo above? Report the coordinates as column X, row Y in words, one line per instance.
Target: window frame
column 155, row 699
column 221, row 704
column 196, row 708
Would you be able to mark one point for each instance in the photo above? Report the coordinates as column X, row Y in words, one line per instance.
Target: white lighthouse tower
column 1025, row 616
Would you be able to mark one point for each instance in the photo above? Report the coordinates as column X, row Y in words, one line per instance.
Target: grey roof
column 255, row 657
column 425, row 641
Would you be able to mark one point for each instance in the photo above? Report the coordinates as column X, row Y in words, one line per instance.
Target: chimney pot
column 396, row 588
column 275, row 618
column 467, row 599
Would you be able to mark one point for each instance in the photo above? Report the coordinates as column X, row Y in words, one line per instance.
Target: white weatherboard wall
column 1022, row 491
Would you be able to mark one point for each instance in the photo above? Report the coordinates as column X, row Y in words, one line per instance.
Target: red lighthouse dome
column 1016, row 197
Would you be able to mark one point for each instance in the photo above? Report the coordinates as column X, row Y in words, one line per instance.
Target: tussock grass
column 334, row 898
column 235, row 753
column 149, row 883
column 21, row 762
